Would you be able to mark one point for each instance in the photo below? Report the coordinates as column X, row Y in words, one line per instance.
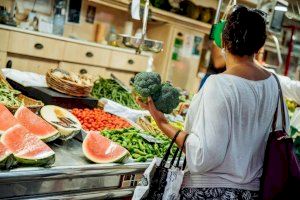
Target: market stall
column 70, row 125
column 49, row 152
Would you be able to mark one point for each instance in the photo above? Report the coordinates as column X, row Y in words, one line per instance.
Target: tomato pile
column 97, row 120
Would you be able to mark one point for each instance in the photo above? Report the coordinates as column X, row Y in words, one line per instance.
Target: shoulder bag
column 281, row 172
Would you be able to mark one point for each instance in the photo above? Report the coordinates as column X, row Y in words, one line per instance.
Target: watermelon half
column 36, row 125
column 7, row 119
column 100, row 149
column 6, row 158
column 64, row 121
column 27, row 148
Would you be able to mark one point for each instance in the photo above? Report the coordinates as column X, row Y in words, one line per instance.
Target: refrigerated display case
column 71, row 177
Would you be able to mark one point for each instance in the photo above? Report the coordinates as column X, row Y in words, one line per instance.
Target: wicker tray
column 67, row 87
column 30, row 103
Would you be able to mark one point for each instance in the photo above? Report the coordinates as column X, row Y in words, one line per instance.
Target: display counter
column 71, row 177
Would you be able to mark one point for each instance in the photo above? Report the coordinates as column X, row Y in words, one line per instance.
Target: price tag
column 150, row 138
column 135, row 9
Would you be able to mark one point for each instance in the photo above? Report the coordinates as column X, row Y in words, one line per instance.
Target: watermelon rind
column 51, row 137
column 6, row 162
column 121, row 159
column 46, row 161
column 46, row 138
column 69, row 135
column 47, row 113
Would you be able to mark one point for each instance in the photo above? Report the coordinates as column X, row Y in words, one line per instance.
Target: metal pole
column 291, row 45
column 218, row 12
column 278, row 50
column 12, row 12
column 144, row 28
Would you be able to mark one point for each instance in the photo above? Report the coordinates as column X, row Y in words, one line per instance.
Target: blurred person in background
column 216, row 65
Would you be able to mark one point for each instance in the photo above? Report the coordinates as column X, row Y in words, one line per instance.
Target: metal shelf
column 160, row 15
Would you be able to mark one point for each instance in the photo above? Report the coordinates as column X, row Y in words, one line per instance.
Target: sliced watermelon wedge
column 100, row 149
column 6, row 158
column 27, row 148
column 7, row 119
column 36, row 125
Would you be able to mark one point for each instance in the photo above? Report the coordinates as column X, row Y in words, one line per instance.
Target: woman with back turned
column 229, row 119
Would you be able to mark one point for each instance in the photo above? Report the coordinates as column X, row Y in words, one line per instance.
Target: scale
column 140, row 43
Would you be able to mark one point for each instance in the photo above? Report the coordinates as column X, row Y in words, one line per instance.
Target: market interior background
column 184, row 37
column 78, row 48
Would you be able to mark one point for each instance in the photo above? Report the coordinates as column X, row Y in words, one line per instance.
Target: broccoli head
column 147, row 84
column 168, row 99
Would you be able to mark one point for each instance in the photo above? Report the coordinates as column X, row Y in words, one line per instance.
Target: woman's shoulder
column 228, row 84
column 228, row 79
column 218, row 81
column 216, row 86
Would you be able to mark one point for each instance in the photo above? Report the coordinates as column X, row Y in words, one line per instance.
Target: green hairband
column 218, row 31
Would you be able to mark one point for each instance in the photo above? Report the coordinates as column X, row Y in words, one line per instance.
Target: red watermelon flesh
column 100, row 149
column 7, row 119
column 36, row 125
column 27, row 148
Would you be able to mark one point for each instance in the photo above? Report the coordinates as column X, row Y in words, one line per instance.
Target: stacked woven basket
column 66, row 86
column 30, row 103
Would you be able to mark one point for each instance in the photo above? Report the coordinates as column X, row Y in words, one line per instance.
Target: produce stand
column 71, row 177
column 78, row 139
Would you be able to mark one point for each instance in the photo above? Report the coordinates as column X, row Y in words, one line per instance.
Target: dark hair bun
column 244, row 32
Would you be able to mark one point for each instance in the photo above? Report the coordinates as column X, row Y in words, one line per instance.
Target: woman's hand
column 158, row 116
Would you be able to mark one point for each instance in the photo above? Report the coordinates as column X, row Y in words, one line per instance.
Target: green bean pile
column 8, row 96
column 110, row 89
column 139, row 148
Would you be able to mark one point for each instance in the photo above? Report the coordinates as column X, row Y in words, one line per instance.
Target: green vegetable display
column 110, row 89
column 165, row 96
column 8, row 96
column 139, row 148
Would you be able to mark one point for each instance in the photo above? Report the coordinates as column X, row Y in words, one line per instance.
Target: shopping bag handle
column 168, row 152
column 180, row 154
column 281, row 102
column 174, row 157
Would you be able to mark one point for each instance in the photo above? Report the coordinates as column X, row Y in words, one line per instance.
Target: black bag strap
column 180, row 154
column 184, row 162
column 174, row 157
column 168, row 152
column 281, row 101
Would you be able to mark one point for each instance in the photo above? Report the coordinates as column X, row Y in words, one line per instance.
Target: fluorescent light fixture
column 281, row 8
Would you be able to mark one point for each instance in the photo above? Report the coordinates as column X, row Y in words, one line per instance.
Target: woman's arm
column 162, row 122
column 290, row 88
